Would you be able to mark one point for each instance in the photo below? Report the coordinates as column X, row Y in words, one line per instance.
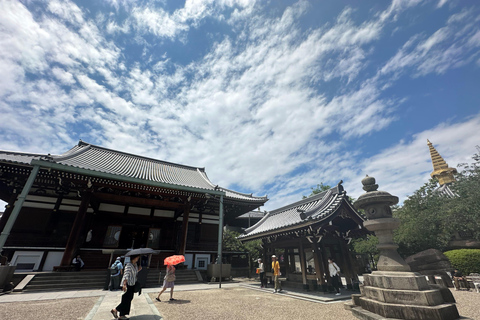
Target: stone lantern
column 376, row 205
column 394, row 292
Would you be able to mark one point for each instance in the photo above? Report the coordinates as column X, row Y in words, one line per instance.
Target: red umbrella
column 173, row 260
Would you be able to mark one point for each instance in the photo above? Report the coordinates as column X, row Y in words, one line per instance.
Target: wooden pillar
column 73, row 243
column 8, row 211
column 324, row 261
column 303, row 265
column 287, row 262
column 292, row 260
column 318, row 259
column 348, row 264
column 183, row 239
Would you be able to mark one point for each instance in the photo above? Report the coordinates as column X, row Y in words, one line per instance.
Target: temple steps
column 96, row 280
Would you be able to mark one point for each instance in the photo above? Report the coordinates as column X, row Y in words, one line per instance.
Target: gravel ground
column 227, row 303
column 60, row 309
column 242, row 303
column 468, row 303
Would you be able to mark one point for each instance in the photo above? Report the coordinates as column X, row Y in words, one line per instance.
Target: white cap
column 274, row 256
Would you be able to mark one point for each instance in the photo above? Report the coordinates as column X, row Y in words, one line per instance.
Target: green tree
column 231, row 243
column 424, row 221
column 318, row 189
column 430, row 220
column 367, row 246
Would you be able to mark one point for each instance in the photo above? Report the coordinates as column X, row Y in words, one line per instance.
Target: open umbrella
column 173, row 260
column 139, row 252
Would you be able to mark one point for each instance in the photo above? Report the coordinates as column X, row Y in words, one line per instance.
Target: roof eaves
column 105, row 175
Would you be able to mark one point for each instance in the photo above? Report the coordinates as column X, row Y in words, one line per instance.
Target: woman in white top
column 334, row 271
column 128, row 286
column 261, row 272
column 168, row 282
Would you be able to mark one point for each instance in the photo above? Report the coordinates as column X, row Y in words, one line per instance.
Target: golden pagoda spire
column 441, row 171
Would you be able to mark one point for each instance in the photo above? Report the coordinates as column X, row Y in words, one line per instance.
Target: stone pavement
column 143, row 308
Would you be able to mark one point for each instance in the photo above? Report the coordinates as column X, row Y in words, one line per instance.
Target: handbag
column 170, row 277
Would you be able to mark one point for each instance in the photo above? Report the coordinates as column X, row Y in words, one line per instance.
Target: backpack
column 114, row 269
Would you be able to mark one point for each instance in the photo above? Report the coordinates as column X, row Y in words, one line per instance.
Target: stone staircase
column 94, row 280
column 56, row 281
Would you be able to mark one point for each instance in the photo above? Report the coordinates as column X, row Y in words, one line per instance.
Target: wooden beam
column 144, row 202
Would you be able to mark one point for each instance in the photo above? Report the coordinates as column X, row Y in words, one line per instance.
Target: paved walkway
column 143, row 308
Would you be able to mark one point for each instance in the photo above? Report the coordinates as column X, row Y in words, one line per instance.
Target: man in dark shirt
column 458, row 276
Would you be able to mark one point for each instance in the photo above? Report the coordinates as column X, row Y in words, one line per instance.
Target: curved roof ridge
column 203, row 174
column 321, row 204
column 142, row 157
column 242, row 194
column 256, row 225
column 331, row 205
column 73, row 152
column 317, row 196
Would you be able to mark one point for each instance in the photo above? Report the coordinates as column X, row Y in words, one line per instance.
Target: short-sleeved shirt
column 276, row 268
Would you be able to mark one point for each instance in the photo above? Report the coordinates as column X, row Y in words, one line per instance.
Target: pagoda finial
column 441, row 171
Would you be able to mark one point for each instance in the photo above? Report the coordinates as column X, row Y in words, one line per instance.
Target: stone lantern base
column 402, row 295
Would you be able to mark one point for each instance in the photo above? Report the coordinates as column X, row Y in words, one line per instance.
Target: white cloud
column 406, row 166
column 266, row 101
column 449, row 47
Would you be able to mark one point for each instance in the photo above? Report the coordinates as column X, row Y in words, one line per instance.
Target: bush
column 465, row 260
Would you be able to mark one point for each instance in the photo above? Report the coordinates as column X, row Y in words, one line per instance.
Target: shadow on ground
column 145, row 317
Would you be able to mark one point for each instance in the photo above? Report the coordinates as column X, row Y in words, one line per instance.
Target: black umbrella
column 139, row 252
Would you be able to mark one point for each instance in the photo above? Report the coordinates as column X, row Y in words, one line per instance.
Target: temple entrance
column 134, row 236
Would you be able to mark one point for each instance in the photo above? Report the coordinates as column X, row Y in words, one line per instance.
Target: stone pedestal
column 394, row 292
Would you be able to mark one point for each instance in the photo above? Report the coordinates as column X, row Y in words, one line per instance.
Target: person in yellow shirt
column 276, row 274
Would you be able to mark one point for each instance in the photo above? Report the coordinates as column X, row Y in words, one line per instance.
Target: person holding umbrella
column 169, row 280
column 128, row 286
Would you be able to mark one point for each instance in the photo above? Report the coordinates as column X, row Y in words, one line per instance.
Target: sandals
column 158, row 299
column 171, row 299
column 114, row 314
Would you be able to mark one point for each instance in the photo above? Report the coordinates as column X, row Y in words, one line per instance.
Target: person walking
column 276, row 274
column 168, row 282
column 334, row 271
column 261, row 272
column 128, row 287
column 116, row 271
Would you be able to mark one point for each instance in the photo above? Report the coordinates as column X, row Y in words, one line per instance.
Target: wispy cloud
column 265, row 104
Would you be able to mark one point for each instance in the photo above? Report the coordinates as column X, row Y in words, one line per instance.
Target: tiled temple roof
column 95, row 158
column 296, row 215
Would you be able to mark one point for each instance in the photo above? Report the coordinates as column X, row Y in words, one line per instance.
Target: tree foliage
column 231, row 243
column 367, row 246
column 430, row 220
column 318, row 189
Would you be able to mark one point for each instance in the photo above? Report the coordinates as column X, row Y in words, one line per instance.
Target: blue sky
column 271, row 97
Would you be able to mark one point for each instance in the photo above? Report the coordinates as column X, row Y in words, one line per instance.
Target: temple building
column 306, row 233
column 93, row 200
